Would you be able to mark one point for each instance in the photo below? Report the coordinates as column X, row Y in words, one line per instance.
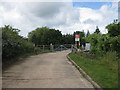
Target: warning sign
column 77, row 37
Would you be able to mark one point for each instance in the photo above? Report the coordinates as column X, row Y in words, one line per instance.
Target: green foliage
column 110, row 59
column 100, row 43
column 45, row 36
column 100, row 73
column 83, row 41
column 13, row 44
column 115, row 43
column 94, row 39
column 113, row 29
column 67, row 39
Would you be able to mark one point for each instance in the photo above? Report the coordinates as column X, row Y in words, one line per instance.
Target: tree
column 97, row 30
column 88, row 33
column 45, row 36
column 67, row 39
column 113, row 29
column 13, row 44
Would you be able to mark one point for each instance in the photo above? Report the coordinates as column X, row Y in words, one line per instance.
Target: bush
column 110, row 59
column 37, row 50
column 14, row 45
column 115, row 43
column 101, row 44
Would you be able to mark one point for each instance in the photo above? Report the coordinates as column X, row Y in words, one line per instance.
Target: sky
column 67, row 17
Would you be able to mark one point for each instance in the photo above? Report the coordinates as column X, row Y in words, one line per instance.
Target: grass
column 100, row 73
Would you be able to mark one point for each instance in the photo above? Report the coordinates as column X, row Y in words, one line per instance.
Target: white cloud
column 89, row 14
column 62, row 16
column 89, row 19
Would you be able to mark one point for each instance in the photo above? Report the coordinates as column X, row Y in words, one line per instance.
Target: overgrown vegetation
column 103, row 43
column 14, row 46
column 101, row 62
column 99, row 72
column 103, row 56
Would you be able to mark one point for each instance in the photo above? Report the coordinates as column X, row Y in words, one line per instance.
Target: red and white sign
column 77, row 37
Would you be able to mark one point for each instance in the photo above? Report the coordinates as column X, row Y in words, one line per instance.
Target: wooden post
column 43, row 48
column 72, row 48
column 51, row 47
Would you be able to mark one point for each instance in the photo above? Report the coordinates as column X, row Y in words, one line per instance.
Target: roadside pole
column 79, row 45
column 77, row 40
column 43, row 48
column 51, row 47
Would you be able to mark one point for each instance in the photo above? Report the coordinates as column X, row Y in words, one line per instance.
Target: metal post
column 76, row 44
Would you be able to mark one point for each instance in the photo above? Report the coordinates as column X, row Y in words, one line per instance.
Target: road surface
column 48, row 70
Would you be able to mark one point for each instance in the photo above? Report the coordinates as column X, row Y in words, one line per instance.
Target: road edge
column 83, row 72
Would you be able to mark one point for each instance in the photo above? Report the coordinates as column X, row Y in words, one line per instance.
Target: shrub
column 14, row 45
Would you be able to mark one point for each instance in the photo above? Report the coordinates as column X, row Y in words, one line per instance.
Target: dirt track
column 49, row 70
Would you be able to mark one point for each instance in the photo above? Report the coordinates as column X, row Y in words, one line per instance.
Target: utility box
column 87, row 46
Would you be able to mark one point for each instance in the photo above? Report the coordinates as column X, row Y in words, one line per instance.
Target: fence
column 44, row 47
column 56, row 47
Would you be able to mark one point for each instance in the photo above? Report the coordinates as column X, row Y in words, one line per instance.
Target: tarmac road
column 48, row 70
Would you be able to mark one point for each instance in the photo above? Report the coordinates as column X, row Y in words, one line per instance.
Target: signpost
column 79, row 44
column 77, row 40
column 77, row 37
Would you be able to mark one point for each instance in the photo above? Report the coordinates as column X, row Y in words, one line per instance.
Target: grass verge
column 101, row 74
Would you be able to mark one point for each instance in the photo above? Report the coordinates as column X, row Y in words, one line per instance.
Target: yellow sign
column 79, row 44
